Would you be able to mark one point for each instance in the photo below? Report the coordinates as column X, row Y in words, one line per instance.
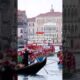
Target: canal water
column 49, row 72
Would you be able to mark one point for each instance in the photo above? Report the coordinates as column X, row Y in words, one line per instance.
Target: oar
column 50, row 63
column 46, row 71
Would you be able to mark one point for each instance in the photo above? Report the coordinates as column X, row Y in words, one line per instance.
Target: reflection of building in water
column 8, row 25
column 46, row 26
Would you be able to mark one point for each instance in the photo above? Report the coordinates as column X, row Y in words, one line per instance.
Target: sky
column 35, row 7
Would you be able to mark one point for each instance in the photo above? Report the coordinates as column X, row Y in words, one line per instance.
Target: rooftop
column 51, row 13
column 31, row 19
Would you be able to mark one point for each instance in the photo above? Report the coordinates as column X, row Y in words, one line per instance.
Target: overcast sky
column 35, row 7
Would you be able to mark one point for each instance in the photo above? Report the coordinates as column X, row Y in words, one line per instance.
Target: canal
column 49, row 72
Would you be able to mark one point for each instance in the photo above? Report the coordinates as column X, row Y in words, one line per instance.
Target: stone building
column 71, row 31
column 46, row 27
column 31, row 29
column 22, row 27
column 71, row 28
column 8, row 24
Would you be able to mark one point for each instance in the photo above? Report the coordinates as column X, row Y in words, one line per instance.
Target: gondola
column 28, row 70
column 31, row 69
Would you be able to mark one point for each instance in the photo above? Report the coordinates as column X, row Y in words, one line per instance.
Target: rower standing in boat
column 25, row 58
column 31, row 57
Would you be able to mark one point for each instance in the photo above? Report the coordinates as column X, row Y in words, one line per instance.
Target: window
column 15, row 3
column 21, row 36
column 64, row 12
column 76, row 28
column 29, row 24
column 20, row 23
column 33, row 24
column 21, row 31
column 71, row 43
column 68, row 10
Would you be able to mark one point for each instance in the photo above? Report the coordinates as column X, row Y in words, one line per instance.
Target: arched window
column 21, row 31
column 71, row 43
column 68, row 11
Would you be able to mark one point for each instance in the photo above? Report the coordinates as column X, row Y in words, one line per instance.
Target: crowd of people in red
column 69, row 62
column 8, row 54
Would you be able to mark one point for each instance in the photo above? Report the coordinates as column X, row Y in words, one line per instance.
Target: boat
column 31, row 69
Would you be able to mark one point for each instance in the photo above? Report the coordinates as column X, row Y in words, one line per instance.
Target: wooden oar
column 46, row 71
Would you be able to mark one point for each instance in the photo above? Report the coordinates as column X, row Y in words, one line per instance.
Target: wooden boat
column 28, row 70
column 31, row 69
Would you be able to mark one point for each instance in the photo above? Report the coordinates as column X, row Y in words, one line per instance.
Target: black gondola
column 31, row 69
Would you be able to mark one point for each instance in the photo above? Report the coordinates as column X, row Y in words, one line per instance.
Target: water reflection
column 33, row 77
column 25, row 78
column 21, row 77
column 36, row 77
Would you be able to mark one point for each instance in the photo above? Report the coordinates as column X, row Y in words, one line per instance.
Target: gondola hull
column 31, row 69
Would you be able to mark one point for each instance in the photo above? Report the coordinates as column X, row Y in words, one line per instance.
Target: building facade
column 31, row 29
column 71, row 27
column 22, row 27
column 8, row 24
column 46, row 27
